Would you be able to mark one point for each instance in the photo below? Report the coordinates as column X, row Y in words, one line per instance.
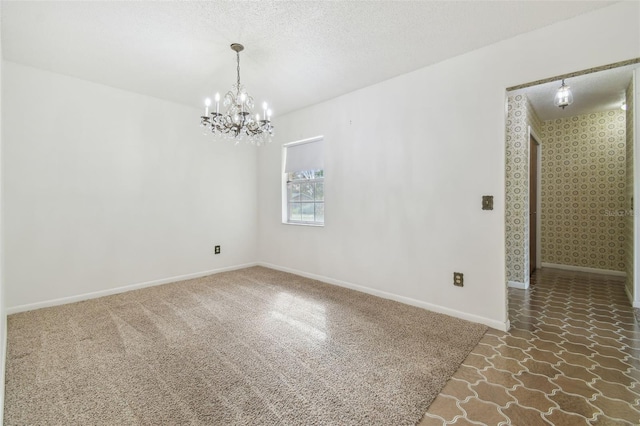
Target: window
column 305, row 197
column 303, row 192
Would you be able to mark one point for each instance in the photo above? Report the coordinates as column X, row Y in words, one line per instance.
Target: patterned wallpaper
column 584, row 191
column 629, row 217
column 520, row 115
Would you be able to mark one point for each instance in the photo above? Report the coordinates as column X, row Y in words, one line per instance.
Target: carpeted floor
column 254, row 346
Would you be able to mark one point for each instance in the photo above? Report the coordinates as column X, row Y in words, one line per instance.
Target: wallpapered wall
column 584, row 193
column 520, row 115
column 629, row 194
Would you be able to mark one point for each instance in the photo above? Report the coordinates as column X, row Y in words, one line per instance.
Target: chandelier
column 564, row 97
column 237, row 122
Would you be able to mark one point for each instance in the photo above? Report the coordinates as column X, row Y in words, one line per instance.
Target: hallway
column 572, row 357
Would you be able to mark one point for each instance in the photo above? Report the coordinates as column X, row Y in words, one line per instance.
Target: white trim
column 283, row 186
column 515, row 284
column 626, row 290
column 634, row 303
column 3, row 367
column 303, row 141
column 584, row 269
column 503, row 326
column 636, row 187
column 122, row 289
column 316, row 225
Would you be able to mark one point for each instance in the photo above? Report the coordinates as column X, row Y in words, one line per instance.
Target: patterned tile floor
column 572, row 357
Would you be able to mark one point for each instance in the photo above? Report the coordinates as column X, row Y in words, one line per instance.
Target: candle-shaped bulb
column 207, row 102
column 243, row 96
column 257, row 118
column 264, row 105
column 217, row 97
column 269, row 114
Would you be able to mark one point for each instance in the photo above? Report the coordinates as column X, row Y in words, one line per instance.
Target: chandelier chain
column 238, row 69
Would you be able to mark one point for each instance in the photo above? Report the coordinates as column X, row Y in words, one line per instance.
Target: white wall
column 407, row 162
column 3, row 312
column 106, row 188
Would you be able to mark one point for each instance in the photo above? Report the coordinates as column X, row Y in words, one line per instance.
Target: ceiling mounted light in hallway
column 564, row 97
column 237, row 121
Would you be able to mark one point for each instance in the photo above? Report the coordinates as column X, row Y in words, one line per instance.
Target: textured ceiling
column 297, row 52
column 595, row 92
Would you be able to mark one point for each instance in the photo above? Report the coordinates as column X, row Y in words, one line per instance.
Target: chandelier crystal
column 237, row 122
column 564, row 97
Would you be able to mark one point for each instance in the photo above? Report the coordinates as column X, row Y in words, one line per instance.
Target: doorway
column 536, row 199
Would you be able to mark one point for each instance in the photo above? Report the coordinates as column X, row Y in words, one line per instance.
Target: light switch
column 487, row 202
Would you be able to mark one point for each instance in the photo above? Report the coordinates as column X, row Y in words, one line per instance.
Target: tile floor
column 572, row 357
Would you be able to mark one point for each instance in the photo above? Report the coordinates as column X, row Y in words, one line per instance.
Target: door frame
column 635, row 302
column 538, row 207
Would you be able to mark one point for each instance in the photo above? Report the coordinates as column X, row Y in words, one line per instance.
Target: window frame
column 285, row 186
column 314, row 201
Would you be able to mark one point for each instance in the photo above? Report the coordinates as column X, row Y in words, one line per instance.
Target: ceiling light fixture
column 238, row 121
column 564, row 97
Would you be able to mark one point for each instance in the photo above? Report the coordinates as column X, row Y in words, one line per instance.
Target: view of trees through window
column 305, row 197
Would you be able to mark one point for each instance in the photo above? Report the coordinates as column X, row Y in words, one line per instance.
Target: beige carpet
column 248, row 347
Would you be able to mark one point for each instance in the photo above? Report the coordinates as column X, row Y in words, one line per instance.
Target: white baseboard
column 3, row 359
column 122, row 289
column 634, row 303
column 503, row 326
column 515, row 284
column 584, row 269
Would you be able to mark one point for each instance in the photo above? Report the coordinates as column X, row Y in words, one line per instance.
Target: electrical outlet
column 217, row 250
column 458, row 279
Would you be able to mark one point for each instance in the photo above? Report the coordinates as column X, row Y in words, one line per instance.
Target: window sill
column 313, row 225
